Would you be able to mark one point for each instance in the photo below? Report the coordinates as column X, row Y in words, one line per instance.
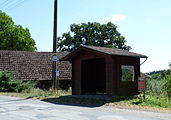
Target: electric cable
column 8, row 5
column 15, row 5
column 5, row 3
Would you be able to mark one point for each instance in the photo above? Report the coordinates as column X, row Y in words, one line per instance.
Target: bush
column 167, row 86
column 154, row 86
column 160, row 84
column 8, row 84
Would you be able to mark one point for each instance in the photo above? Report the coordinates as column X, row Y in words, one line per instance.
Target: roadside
column 155, row 100
column 64, row 98
column 29, row 109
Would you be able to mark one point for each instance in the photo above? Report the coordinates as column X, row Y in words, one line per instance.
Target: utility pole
column 54, row 58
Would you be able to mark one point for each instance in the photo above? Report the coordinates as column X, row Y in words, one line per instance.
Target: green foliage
column 167, row 85
column 8, row 84
column 155, row 86
column 158, row 90
column 160, row 84
column 14, row 37
column 93, row 34
column 4, row 78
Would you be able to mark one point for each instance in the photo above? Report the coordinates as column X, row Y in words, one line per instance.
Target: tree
column 14, row 37
column 94, row 34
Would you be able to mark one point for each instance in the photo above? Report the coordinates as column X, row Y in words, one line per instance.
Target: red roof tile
column 33, row 65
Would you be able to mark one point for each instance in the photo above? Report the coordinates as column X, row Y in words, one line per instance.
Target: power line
column 6, row 2
column 9, row 5
column 15, row 5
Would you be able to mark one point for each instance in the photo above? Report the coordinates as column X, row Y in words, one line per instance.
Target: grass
column 152, row 101
column 37, row 93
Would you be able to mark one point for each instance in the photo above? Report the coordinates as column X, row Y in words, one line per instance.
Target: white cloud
column 113, row 18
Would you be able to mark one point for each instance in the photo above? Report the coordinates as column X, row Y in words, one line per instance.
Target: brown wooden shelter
column 100, row 70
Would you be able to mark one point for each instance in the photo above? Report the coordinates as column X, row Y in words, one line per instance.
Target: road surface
column 26, row 109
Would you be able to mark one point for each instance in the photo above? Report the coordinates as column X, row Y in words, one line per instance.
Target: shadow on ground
column 85, row 100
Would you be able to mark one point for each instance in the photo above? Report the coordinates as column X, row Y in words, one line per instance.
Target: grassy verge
column 151, row 103
column 37, row 93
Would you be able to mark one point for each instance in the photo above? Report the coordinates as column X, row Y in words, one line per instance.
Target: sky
column 146, row 24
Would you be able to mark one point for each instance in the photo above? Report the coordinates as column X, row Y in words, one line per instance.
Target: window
column 127, row 73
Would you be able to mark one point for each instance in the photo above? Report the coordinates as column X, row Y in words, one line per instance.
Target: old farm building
column 100, row 70
column 35, row 66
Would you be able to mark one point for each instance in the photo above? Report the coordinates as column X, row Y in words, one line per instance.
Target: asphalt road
column 27, row 109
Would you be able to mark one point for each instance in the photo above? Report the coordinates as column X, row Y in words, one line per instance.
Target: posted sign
column 141, row 83
column 54, row 58
column 57, row 73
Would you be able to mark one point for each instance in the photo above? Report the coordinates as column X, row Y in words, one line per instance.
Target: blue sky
column 146, row 24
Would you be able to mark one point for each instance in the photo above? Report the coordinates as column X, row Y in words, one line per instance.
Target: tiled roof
column 104, row 50
column 33, row 65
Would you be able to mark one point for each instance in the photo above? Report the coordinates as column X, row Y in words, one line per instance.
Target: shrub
column 4, row 81
column 154, row 86
column 160, row 84
column 8, row 84
column 167, row 86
